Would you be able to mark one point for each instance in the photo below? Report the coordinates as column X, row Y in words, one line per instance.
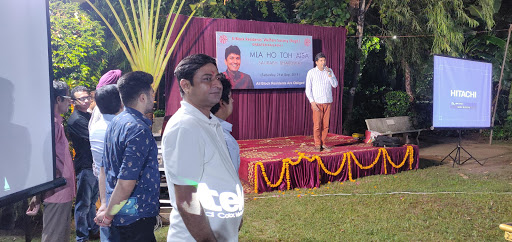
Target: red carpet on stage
column 292, row 162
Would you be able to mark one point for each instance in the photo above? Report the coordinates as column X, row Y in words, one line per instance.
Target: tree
column 143, row 50
column 438, row 25
column 76, row 43
column 263, row 10
column 359, row 8
column 323, row 13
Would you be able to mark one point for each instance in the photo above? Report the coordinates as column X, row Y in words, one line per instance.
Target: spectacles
column 83, row 99
column 66, row 97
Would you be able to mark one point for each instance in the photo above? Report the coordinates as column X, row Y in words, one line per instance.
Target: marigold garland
column 347, row 157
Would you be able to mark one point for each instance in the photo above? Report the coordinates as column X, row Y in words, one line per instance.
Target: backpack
column 386, row 141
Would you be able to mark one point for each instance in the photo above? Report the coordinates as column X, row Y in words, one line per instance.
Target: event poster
column 263, row 61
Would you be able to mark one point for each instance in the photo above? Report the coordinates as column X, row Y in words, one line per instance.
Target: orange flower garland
column 347, row 157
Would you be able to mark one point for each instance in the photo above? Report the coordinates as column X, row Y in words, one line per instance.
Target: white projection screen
column 462, row 93
column 26, row 140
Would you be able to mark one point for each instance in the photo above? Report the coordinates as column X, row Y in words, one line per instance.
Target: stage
column 291, row 162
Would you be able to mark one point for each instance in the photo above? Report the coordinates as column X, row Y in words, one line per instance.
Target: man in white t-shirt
column 204, row 187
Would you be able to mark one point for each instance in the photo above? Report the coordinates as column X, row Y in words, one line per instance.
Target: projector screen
column 26, row 128
column 264, row 61
column 462, row 93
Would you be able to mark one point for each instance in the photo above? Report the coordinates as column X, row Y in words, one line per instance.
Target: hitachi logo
column 223, row 202
column 461, row 93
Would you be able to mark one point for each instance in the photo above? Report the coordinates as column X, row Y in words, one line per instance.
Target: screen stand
column 457, row 150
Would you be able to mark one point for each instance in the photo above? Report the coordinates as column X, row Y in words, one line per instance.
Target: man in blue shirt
column 109, row 105
column 222, row 111
column 130, row 163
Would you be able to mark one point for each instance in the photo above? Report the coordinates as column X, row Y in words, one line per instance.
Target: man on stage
column 238, row 79
column 319, row 83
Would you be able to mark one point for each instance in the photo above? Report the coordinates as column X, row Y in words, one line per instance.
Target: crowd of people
column 116, row 157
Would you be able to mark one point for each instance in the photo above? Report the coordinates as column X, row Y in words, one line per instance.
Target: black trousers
column 140, row 230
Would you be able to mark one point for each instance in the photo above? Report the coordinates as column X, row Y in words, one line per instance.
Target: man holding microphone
column 319, row 83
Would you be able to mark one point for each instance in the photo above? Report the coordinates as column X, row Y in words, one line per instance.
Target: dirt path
column 496, row 158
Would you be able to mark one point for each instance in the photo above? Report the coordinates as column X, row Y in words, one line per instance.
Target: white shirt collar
column 193, row 111
column 316, row 67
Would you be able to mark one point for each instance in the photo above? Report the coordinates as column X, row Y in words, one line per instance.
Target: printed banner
column 263, row 61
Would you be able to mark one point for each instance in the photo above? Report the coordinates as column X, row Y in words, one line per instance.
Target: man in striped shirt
column 319, row 83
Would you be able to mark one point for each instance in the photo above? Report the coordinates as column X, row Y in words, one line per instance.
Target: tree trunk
column 495, row 102
column 407, row 76
column 363, row 7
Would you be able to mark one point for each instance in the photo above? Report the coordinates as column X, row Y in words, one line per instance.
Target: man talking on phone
column 319, row 83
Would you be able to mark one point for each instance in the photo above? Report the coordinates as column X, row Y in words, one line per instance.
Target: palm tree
column 141, row 47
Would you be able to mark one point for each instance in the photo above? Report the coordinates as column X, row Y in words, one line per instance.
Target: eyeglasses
column 83, row 99
column 66, row 97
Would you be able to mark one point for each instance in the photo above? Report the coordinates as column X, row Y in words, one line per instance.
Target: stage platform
column 291, row 162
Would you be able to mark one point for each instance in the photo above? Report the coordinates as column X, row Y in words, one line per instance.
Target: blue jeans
column 109, row 234
column 85, row 204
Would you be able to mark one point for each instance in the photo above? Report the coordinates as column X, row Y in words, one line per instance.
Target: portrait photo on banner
column 264, row 61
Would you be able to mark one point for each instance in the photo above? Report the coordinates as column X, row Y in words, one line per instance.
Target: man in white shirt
column 204, row 187
column 319, row 83
column 222, row 111
column 108, row 102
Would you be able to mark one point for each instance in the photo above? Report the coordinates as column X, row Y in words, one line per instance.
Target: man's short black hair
column 188, row 67
column 226, row 90
column 319, row 55
column 78, row 89
column 132, row 84
column 60, row 89
column 232, row 49
column 107, row 99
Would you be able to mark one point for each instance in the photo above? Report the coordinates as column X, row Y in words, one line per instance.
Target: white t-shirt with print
column 195, row 153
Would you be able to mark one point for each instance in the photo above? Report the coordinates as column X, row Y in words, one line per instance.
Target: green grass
column 458, row 206
column 365, row 211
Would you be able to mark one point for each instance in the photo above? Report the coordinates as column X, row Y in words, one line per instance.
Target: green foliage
column 369, row 44
column 270, row 11
column 77, row 51
column 445, row 20
column 159, row 113
column 502, row 132
column 397, row 104
column 143, row 50
column 374, row 82
column 323, row 13
column 439, row 26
